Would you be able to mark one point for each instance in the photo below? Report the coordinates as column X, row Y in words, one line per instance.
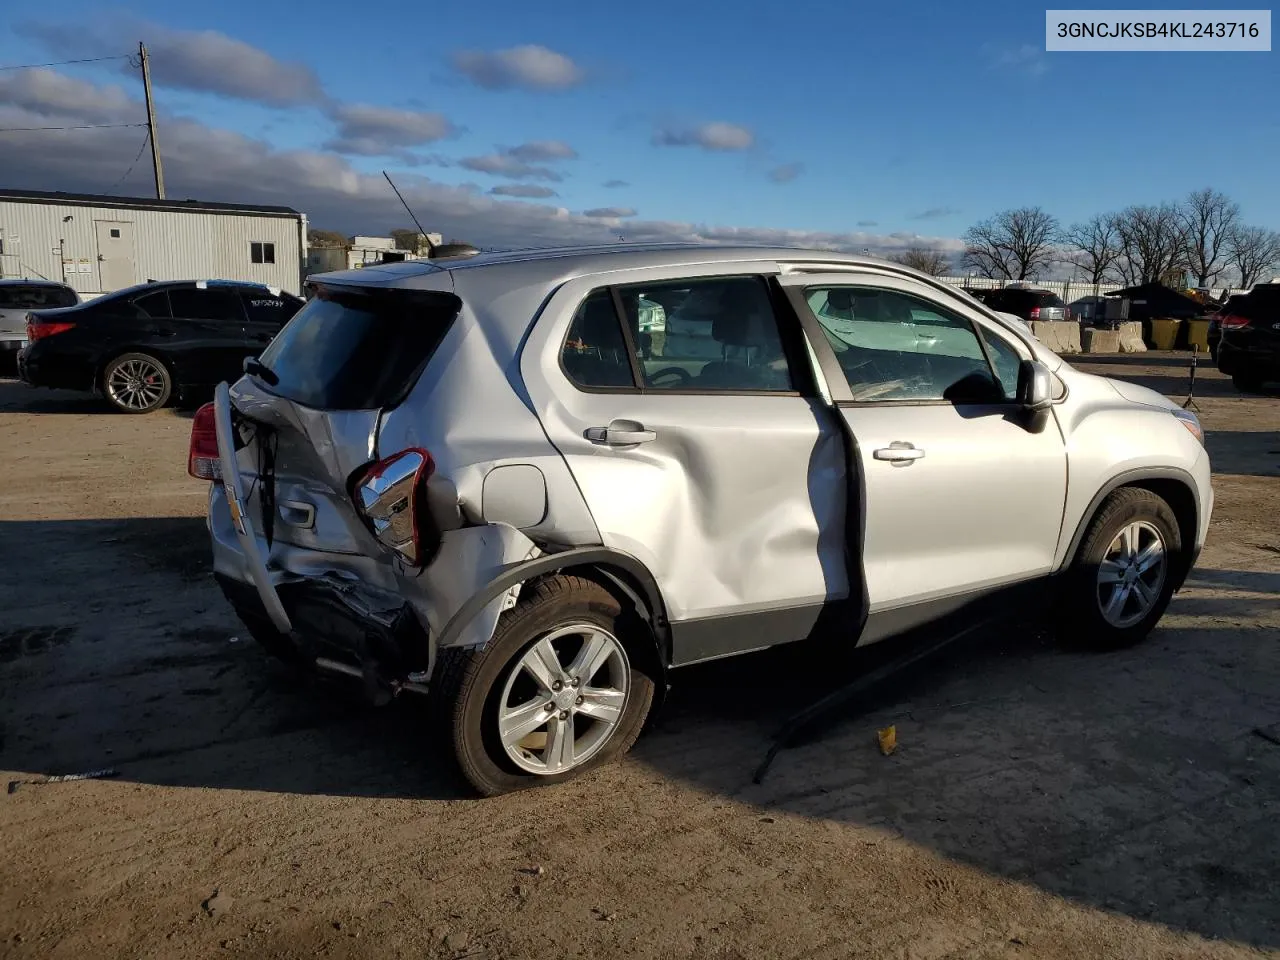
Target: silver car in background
column 17, row 299
column 534, row 485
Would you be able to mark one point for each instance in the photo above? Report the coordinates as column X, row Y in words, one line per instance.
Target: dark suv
column 140, row 346
column 1249, row 344
column 1027, row 303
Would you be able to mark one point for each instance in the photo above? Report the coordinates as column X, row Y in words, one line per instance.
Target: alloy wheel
column 1132, row 573
column 136, row 384
column 563, row 699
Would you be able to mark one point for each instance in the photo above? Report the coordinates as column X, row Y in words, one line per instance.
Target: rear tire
column 136, row 383
column 481, row 694
column 1121, row 581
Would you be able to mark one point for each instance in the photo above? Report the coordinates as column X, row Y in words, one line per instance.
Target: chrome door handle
column 620, row 433
column 898, row 452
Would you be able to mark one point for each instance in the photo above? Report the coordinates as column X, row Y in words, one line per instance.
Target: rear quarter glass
column 358, row 349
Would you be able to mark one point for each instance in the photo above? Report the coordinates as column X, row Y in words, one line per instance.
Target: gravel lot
column 1041, row 803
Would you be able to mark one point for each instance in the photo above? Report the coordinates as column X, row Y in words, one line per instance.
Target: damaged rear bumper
column 361, row 612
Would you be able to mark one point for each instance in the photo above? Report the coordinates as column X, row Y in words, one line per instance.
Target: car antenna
column 431, row 247
column 435, row 251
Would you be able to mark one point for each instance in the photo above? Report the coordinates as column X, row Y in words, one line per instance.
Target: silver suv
column 533, row 484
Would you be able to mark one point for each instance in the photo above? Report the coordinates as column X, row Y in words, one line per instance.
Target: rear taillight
column 390, row 497
column 202, row 457
column 1231, row 321
column 38, row 331
column 1035, row 313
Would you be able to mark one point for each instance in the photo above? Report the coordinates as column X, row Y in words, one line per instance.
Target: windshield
column 36, row 296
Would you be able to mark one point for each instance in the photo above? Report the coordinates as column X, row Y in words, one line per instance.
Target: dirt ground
column 1041, row 803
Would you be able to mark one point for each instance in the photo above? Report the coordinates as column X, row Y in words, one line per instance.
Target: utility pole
column 151, row 121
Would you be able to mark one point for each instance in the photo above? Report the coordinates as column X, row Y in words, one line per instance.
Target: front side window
column 192, row 303
column 260, row 252
column 896, row 346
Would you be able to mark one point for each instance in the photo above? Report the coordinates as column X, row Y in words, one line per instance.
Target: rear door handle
column 621, row 433
column 898, row 452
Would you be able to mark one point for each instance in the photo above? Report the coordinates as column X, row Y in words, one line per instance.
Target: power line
column 145, row 140
column 59, row 63
column 80, row 126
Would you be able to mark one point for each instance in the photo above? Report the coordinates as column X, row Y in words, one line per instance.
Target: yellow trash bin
column 1198, row 334
column 1164, row 333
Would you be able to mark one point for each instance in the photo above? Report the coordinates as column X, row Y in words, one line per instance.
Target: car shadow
column 1127, row 780
column 18, row 397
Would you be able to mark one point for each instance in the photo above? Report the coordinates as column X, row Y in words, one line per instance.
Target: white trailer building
column 97, row 244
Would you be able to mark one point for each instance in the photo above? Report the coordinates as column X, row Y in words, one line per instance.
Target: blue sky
column 886, row 120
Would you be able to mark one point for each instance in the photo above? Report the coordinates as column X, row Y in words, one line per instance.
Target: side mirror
column 1035, row 386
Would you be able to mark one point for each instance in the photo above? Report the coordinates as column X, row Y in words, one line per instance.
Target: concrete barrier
column 1131, row 337
column 1101, row 341
column 1058, row 336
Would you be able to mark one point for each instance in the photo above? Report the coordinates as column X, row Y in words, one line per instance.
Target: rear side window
column 154, row 305
column 358, row 350
column 35, row 297
column 706, row 335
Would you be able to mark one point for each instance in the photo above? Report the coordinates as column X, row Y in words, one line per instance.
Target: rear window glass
column 360, row 350
column 1049, row 300
column 35, row 297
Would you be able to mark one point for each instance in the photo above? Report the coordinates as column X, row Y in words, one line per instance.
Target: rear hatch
column 313, row 405
column 17, row 300
column 1048, row 306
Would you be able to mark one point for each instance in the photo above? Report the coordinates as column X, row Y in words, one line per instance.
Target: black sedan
column 144, row 345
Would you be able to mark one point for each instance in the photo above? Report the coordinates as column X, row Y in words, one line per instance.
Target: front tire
column 137, row 383
column 1122, row 578
column 555, row 693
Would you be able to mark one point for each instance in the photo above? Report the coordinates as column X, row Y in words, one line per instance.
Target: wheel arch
column 1173, row 485
column 619, row 573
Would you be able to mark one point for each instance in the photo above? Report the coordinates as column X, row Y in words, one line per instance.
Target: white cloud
column 529, row 191
column 201, row 60
column 786, row 172
column 530, row 67
column 221, row 165
column 505, row 165
column 609, row 213
column 542, row 150
column 515, row 162
column 374, row 131
column 1026, row 59
column 713, row 135
column 47, row 92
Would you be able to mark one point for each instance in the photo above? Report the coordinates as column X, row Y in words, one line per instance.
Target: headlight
column 1191, row 422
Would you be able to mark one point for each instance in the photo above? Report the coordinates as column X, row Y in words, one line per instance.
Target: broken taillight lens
column 389, row 496
column 203, row 462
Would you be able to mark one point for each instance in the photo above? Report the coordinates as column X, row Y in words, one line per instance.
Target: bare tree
column 1209, row 219
column 1012, row 245
column 925, row 259
column 1095, row 245
column 1254, row 251
column 1153, row 242
column 325, row 238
